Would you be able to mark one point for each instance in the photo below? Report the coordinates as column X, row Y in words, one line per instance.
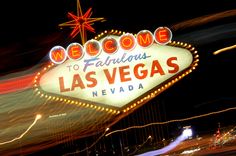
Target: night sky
column 29, row 29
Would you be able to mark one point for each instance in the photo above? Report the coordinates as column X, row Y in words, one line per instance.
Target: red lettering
column 92, row 47
column 137, row 73
column 57, row 54
column 75, row 51
column 127, row 41
column 124, row 73
column 91, row 79
column 110, row 78
column 175, row 66
column 109, row 45
column 62, row 85
column 163, row 35
column 144, row 38
column 156, row 68
column 77, row 82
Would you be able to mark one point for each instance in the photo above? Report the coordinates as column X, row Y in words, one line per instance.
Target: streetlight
column 187, row 131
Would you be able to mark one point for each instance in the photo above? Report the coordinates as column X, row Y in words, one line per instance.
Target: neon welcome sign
column 127, row 42
column 116, row 72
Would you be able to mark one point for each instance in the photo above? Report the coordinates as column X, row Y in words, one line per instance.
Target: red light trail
column 17, row 84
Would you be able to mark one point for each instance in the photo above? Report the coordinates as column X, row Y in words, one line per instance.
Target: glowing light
column 171, row 121
column 140, row 101
column 11, row 85
column 204, row 19
column 191, row 151
column 38, row 116
column 169, row 147
column 187, row 133
column 81, row 22
column 224, row 49
column 57, row 115
column 85, row 149
column 140, row 146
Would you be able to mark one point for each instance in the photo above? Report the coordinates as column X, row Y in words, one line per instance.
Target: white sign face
column 119, row 78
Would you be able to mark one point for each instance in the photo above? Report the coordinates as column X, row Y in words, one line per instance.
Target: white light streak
column 38, row 116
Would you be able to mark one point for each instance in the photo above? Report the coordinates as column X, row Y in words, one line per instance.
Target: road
column 204, row 146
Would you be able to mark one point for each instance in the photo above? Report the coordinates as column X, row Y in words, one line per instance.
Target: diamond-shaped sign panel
column 119, row 81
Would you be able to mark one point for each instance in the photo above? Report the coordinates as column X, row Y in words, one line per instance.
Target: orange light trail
column 171, row 121
column 224, row 49
column 38, row 116
column 204, row 19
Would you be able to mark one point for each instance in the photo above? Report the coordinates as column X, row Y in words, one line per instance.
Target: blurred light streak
column 171, row 121
column 38, row 116
column 167, row 148
column 191, row 151
column 204, row 19
column 94, row 143
column 140, row 146
column 57, row 115
column 210, row 35
column 16, row 84
column 224, row 49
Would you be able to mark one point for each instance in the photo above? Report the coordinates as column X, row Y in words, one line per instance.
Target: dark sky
column 29, row 29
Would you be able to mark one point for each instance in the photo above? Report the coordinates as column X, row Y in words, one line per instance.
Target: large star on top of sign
column 81, row 23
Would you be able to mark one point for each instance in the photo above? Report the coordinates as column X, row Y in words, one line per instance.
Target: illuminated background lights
column 127, row 41
column 145, row 38
column 163, row 35
column 57, row 55
column 75, row 51
column 138, row 102
column 80, row 23
column 92, row 48
column 109, row 45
